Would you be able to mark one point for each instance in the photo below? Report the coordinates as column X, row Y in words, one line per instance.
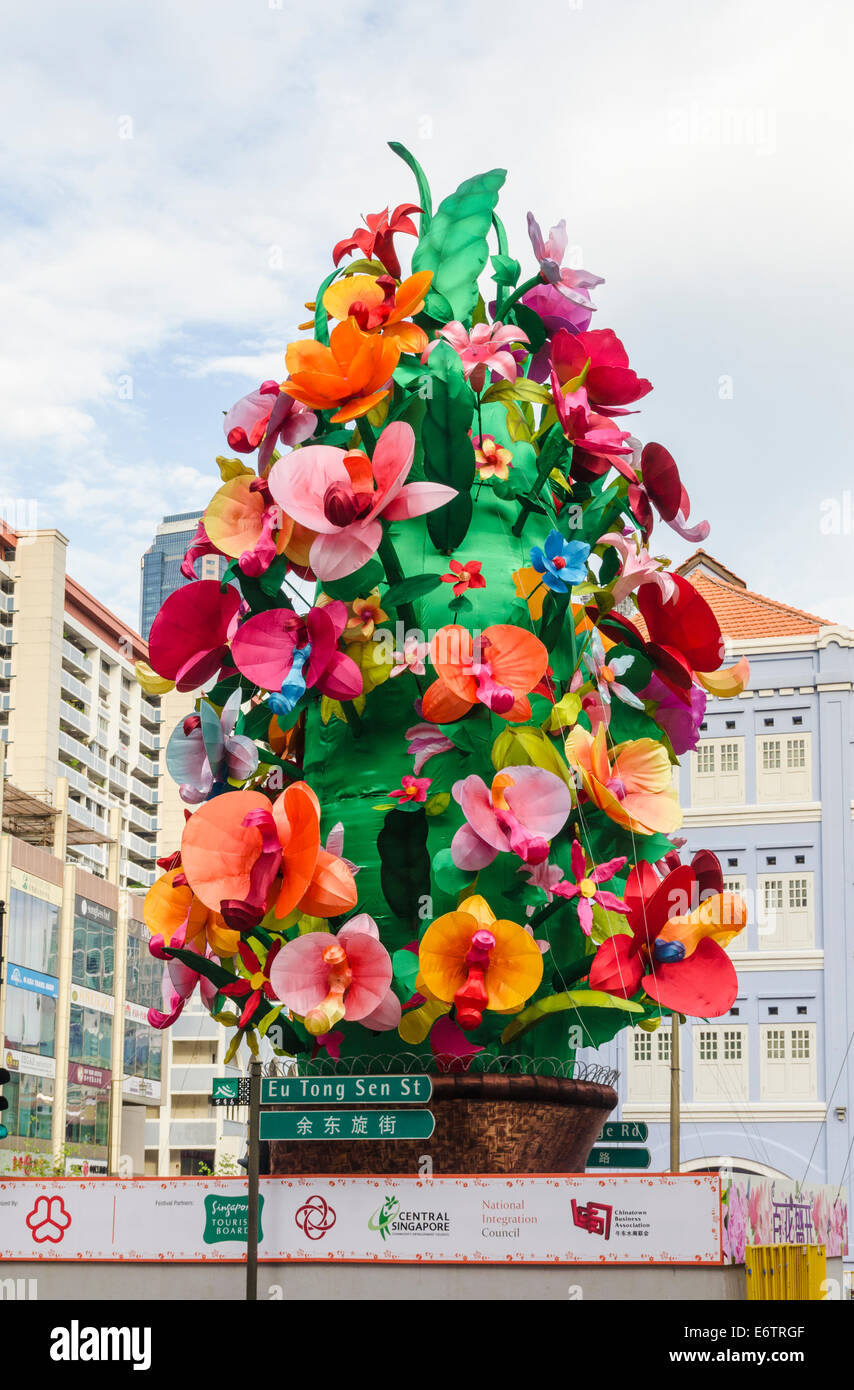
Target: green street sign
column 230, row 1090
column 225, row 1088
column 346, row 1090
column 624, row 1131
column 347, row 1124
column 618, row 1158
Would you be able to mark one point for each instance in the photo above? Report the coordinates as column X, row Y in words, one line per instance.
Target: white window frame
column 718, row 785
column 788, row 1076
column 784, row 782
column 790, row 928
column 648, row 1077
column 723, row 1076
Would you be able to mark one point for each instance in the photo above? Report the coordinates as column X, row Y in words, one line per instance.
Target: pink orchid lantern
column 263, row 649
column 190, row 635
column 342, row 497
column 325, row 978
column 520, row 813
column 264, row 418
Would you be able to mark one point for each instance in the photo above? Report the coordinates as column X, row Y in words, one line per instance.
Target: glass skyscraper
column 161, row 565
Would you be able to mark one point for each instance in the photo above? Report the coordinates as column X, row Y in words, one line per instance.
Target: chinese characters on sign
column 347, row 1124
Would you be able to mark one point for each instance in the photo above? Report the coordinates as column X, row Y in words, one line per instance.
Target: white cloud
column 696, row 152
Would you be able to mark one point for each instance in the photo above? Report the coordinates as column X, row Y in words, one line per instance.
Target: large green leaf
column 408, row 590
column 455, row 247
column 405, row 876
column 571, row 999
column 356, row 585
column 425, row 198
column 448, row 450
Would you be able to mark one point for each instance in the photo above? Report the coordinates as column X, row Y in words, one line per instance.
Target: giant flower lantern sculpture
column 465, row 859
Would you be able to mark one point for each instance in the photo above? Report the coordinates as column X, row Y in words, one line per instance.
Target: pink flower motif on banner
column 48, row 1220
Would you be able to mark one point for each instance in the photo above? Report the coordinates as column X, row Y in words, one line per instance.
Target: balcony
column 148, row 712
column 147, row 824
column 143, row 793
column 83, row 816
column 75, row 658
column 6, row 670
column 138, row 848
column 118, row 779
column 75, row 688
column 147, row 766
column 149, row 741
column 7, row 602
column 134, row 873
column 74, row 717
column 75, row 748
column 196, row 1024
column 7, row 636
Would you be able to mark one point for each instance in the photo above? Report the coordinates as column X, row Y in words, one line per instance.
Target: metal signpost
column 323, row 1124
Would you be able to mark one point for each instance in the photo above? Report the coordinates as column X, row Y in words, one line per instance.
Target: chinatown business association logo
column 389, row 1219
column 595, row 1217
column 315, row 1217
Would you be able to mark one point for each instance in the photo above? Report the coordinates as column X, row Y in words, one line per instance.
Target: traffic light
column 4, row 1104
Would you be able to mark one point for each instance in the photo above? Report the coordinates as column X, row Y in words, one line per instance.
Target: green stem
column 367, row 436
column 517, row 294
column 354, row 719
column 545, row 464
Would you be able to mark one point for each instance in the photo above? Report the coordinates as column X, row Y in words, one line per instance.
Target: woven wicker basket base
column 484, row 1124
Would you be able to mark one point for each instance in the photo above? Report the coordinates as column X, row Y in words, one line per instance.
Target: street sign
column 346, row 1090
column 347, row 1124
column 230, row 1090
column 618, row 1158
column 624, row 1131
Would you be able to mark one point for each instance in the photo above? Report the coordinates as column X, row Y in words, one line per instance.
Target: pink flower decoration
column 588, row 432
column 573, row 284
column 483, row 350
column 519, row 814
column 189, row 637
column 411, row 658
column 179, row 981
column 639, row 567
column 464, row 577
column 265, row 417
column 342, row 497
column 586, row 888
column 263, row 649
column 325, row 978
column 412, row 789
column 424, row 742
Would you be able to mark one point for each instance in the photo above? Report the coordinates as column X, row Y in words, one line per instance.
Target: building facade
column 160, row 567
column 770, row 790
column 79, row 833
column 72, row 710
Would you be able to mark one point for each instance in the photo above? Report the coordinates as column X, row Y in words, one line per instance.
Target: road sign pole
column 675, row 1090
column 254, row 1155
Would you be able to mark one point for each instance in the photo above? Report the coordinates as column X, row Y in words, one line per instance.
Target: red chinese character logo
column 595, row 1218
column 48, row 1220
column 315, row 1218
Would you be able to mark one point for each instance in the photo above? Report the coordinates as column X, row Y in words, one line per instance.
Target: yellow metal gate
column 785, row 1272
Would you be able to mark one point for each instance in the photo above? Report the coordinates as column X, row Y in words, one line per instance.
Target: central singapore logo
column 315, row 1217
column 384, row 1216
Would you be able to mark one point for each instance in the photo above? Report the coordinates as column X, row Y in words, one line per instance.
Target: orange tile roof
column 743, row 614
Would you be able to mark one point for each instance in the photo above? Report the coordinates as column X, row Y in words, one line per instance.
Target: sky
column 176, row 174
